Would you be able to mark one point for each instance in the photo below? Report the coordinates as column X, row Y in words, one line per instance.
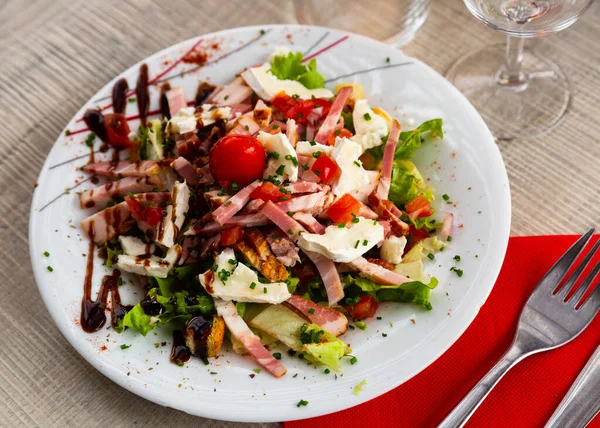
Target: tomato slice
column 325, row 168
column 231, row 236
column 365, row 308
column 419, row 207
column 299, row 109
column 237, row 158
column 338, row 133
column 269, row 192
column 117, row 130
column 344, row 209
column 152, row 215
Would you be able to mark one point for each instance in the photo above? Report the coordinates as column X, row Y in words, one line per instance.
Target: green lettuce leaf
column 410, row 292
column 137, row 320
column 290, row 67
column 407, row 183
column 292, row 283
column 323, row 347
column 240, row 307
column 155, row 135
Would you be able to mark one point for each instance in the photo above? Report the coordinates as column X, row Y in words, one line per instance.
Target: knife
column 582, row 402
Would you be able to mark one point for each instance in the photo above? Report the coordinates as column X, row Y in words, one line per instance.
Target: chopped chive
column 430, row 256
column 253, row 285
column 327, row 371
column 384, row 334
column 123, row 346
column 365, row 242
column 46, row 253
column 275, row 127
column 293, row 159
column 280, row 170
column 67, row 132
column 387, row 59
column 232, row 261
column 247, row 128
column 357, row 242
column 312, row 143
column 50, row 269
column 337, row 131
column 317, row 172
column 302, row 403
column 227, row 203
column 265, row 290
column 361, row 325
column 317, row 154
column 283, row 198
column 457, row 258
column 445, row 197
column 459, row 272
column 311, row 311
column 357, row 163
column 449, row 238
column 379, row 318
column 89, row 141
column 257, row 371
column 353, row 360
column 351, row 327
column 341, row 225
column 290, row 231
column 304, row 166
column 291, row 352
column 295, row 96
column 374, row 222
column 367, row 116
column 277, row 356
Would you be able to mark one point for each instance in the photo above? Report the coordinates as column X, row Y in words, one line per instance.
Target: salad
column 269, row 211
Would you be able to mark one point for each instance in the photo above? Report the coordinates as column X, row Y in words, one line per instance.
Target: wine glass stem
column 511, row 74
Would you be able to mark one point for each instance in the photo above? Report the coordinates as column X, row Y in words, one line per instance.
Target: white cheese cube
column 370, row 127
column 282, row 156
column 353, row 176
column 393, row 248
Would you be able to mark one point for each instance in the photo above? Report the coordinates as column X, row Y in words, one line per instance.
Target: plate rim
column 115, row 376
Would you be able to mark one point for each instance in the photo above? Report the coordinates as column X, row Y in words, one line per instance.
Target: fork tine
column 585, row 285
column 592, row 303
column 560, row 268
column 569, row 285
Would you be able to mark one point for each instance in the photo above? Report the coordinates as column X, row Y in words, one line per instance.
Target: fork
column 552, row 317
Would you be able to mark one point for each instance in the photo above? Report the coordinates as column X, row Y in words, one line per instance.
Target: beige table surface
column 55, row 54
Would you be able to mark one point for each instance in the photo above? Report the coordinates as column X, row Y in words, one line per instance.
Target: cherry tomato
column 341, row 210
column 419, row 207
column 237, row 158
column 231, row 236
column 325, row 168
column 365, row 308
column 338, row 133
column 117, row 130
column 152, row 215
column 299, row 109
column 269, row 192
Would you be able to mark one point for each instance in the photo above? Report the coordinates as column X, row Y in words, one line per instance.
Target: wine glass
column 518, row 91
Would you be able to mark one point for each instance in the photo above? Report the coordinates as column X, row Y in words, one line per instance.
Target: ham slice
column 176, row 100
column 250, row 220
column 333, row 117
column 124, row 168
column 240, row 108
column 385, row 212
column 366, row 212
column 235, row 92
column 253, row 206
column 376, row 273
column 312, row 203
column 311, row 223
column 363, row 192
column 101, row 196
column 303, row 187
column 110, row 222
column 240, row 330
column 186, row 170
column 205, row 176
column 383, row 188
column 447, row 226
column 326, row 267
column 331, row 320
column 234, row 204
column 283, row 247
column 244, row 126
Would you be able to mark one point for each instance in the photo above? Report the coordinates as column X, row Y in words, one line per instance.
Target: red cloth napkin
column 528, row 394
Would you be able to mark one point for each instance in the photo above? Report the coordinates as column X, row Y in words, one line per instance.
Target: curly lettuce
column 290, row 67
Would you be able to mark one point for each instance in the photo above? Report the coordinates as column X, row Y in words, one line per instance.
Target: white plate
column 466, row 165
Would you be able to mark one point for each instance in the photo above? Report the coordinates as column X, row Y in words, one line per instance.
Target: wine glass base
column 511, row 112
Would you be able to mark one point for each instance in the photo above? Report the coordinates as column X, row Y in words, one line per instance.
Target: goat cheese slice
column 150, row 265
column 283, row 162
column 235, row 281
column 169, row 227
column 353, row 176
column 344, row 244
column 370, row 127
column 308, row 148
column 393, row 248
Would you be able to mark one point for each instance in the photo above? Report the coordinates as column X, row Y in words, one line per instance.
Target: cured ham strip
column 186, row 170
column 204, row 176
column 302, row 187
column 366, row 212
column 240, row 330
column 283, row 247
column 110, row 222
column 240, row 108
column 211, row 227
column 376, row 273
column 383, row 188
column 124, row 169
column 234, row 204
column 101, row 196
column 312, row 203
column 244, row 126
column 398, row 226
column 311, row 223
column 326, row 267
column 176, row 100
column 333, row 116
column 235, row 92
column 447, row 226
column 331, row 320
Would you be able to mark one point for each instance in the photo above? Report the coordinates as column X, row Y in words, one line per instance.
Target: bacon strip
column 244, row 126
column 398, row 226
column 303, row 187
column 123, row 168
column 383, row 188
column 186, row 170
column 447, row 227
column 240, row 330
column 376, row 273
column 283, row 247
column 100, row 196
column 110, row 222
column 234, row 204
column 235, row 92
column 311, row 223
column 176, row 100
column 331, row 320
column 249, row 220
column 366, row 212
column 312, row 203
column 326, row 267
column 334, row 115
